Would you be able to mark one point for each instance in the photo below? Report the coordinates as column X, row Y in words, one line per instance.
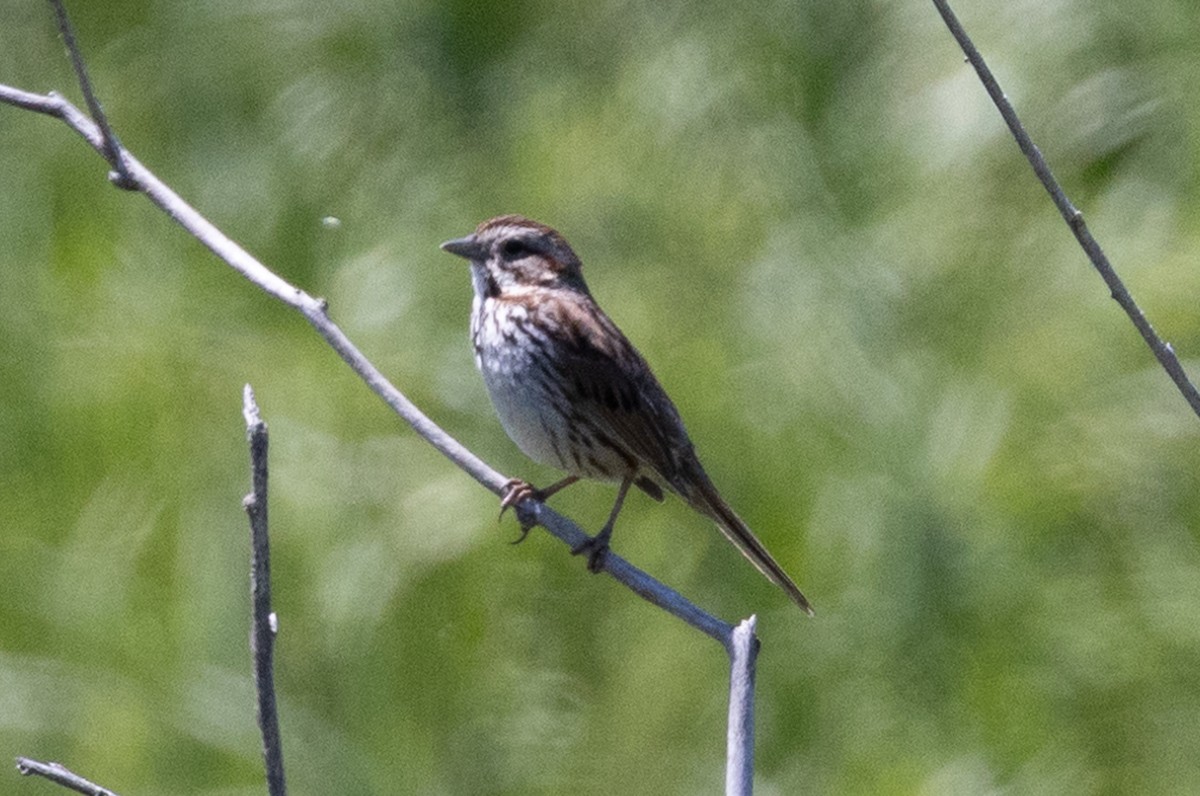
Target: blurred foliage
column 891, row 354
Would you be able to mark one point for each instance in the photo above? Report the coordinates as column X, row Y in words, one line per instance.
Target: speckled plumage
column 571, row 390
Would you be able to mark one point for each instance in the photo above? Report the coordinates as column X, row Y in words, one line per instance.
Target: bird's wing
column 620, row 393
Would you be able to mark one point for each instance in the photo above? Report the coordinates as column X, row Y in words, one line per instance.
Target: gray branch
column 130, row 174
column 263, row 625
column 1163, row 351
column 739, row 747
column 314, row 311
column 62, row 776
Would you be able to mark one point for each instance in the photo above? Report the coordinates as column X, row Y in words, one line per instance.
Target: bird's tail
column 703, row 497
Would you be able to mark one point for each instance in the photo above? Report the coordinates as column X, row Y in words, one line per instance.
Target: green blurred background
column 892, row 356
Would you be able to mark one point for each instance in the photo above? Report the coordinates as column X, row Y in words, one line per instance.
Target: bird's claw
column 515, row 490
column 596, row 550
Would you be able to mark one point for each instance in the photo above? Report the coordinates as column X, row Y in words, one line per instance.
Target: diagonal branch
column 741, row 644
column 314, row 311
column 129, row 173
column 61, row 775
column 1163, row 351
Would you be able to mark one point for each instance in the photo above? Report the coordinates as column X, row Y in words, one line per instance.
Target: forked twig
column 112, row 148
column 1163, row 351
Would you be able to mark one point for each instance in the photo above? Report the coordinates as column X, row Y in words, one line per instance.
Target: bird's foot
column 595, row 548
column 515, row 492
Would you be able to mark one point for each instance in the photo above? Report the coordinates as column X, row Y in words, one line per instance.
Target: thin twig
column 1163, row 351
column 314, row 310
column 112, row 149
column 263, row 625
column 61, row 776
column 739, row 747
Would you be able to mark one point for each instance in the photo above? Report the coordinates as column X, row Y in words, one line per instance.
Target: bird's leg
column 516, row 490
column 596, row 546
column 545, row 494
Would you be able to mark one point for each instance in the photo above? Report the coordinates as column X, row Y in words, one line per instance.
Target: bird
column 573, row 393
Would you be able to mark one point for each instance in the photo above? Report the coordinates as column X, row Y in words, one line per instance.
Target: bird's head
column 513, row 253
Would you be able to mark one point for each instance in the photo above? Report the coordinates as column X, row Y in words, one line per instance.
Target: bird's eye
column 514, row 249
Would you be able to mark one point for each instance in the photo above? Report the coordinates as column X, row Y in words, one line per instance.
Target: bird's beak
column 467, row 247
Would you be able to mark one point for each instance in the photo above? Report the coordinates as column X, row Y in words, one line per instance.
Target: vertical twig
column 1162, row 350
column 739, row 748
column 62, row 776
column 264, row 623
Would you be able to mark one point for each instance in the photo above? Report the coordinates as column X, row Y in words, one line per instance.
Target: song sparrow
column 573, row 392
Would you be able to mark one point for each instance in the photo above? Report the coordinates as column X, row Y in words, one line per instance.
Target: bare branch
column 130, row 174
column 264, row 624
column 62, row 776
column 739, row 747
column 314, row 310
column 1074, row 218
